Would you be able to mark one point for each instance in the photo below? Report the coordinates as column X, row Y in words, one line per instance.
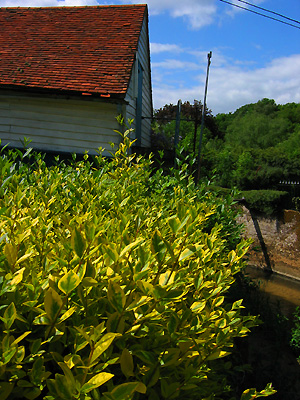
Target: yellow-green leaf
column 80, row 271
column 130, row 247
column 174, row 223
column 10, row 315
column 67, row 314
column 89, row 282
column 5, row 389
column 78, row 243
column 217, row 354
column 221, row 323
column 112, row 252
column 23, row 258
column 249, row 394
column 185, row 254
column 166, row 278
column 96, row 381
column 218, row 301
column 11, row 253
column 232, row 256
column 18, row 340
column 138, row 303
column 72, row 359
column 18, row 276
column 126, row 361
column 116, row 296
column 145, row 287
column 124, row 201
column 158, row 246
column 8, row 354
column 126, row 390
column 64, row 387
column 103, row 344
column 115, row 323
column 198, row 306
column 68, row 373
column 69, row 282
column 141, row 388
column 52, row 303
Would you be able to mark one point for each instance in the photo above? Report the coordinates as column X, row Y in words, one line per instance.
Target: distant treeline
column 256, row 147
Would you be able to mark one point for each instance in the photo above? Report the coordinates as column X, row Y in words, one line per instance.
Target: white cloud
column 170, row 64
column 279, row 80
column 156, row 48
column 230, row 87
column 240, row 5
column 197, row 13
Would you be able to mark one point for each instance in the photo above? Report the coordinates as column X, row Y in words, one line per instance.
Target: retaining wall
column 281, row 236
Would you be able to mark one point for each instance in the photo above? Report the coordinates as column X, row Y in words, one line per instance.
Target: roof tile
column 79, row 49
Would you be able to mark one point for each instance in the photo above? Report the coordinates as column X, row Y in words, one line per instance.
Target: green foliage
column 267, row 202
column 260, row 125
column 291, row 145
column 296, row 202
column 113, row 281
column 260, row 146
column 253, row 168
column 251, row 394
column 190, row 119
column 295, row 333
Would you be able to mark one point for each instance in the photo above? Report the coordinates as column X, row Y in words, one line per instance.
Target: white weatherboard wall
column 131, row 95
column 62, row 125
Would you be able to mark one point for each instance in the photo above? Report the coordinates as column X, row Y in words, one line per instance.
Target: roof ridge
column 73, row 7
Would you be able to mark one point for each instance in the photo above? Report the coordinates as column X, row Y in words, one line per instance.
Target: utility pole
column 176, row 138
column 195, row 126
column 209, row 55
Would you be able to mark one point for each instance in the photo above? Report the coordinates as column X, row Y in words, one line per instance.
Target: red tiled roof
column 87, row 50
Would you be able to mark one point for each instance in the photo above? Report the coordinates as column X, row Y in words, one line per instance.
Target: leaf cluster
column 113, row 282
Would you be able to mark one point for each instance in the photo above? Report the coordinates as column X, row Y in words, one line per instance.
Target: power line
column 269, row 11
column 262, row 15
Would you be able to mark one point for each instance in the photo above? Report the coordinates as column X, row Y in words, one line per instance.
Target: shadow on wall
column 276, row 244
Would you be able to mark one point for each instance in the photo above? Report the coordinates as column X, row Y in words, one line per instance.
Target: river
column 280, row 289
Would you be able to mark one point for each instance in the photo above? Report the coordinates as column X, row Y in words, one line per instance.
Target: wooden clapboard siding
column 130, row 109
column 144, row 57
column 58, row 124
column 131, row 96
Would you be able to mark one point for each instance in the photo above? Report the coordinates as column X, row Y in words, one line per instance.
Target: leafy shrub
column 113, row 282
column 268, row 202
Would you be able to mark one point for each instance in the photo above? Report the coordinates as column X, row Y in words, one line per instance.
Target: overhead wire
column 262, row 15
column 269, row 11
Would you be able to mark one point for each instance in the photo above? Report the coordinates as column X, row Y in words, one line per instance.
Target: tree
column 189, row 124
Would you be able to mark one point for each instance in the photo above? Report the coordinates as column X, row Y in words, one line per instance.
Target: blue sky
column 252, row 57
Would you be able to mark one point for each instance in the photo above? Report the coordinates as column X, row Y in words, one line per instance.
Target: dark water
column 281, row 290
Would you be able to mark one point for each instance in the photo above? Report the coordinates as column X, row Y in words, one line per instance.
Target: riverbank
column 266, row 350
column 275, row 249
column 282, row 291
column 276, row 242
